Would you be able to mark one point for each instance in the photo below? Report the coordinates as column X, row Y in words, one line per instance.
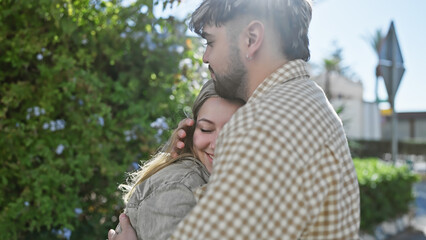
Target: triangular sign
column 390, row 55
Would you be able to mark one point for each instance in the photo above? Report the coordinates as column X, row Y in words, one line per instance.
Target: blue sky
column 347, row 24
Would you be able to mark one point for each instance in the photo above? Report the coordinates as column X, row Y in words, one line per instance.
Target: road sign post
column 392, row 69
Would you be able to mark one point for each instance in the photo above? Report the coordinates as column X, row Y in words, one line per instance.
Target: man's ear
column 255, row 33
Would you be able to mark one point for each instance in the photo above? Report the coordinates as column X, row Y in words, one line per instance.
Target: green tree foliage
column 375, row 40
column 332, row 64
column 81, row 83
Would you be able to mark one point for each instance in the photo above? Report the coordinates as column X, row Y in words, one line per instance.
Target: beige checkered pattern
column 283, row 169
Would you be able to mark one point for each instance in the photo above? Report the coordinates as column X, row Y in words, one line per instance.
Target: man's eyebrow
column 206, row 35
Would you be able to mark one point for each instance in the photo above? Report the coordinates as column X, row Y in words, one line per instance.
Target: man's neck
column 259, row 70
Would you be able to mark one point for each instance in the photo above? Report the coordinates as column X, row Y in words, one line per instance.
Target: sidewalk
column 418, row 229
column 419, row 190
column 420, row 214
column 409, row 234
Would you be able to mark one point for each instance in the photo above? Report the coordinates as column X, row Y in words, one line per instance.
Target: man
column 282, row 168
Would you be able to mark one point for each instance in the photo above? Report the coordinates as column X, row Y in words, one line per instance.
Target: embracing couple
column 280, row 167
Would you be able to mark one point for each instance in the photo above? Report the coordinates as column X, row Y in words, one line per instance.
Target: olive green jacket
column 164, row 199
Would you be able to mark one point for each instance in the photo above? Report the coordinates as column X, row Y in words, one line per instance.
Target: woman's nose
column 213, row 142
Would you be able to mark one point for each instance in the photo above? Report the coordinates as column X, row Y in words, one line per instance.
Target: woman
column 161, row 193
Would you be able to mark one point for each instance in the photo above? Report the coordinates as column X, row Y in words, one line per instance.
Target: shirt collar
column 290, row 70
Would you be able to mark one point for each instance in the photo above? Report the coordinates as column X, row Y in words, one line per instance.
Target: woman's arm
column 160, row 213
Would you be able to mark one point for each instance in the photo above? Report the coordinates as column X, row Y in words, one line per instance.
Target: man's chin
column 222, row 90
column 225, row 88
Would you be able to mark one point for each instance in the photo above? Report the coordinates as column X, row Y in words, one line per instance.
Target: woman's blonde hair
column 163, row 158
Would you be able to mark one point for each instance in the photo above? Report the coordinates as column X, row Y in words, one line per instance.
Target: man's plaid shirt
column 282, row 170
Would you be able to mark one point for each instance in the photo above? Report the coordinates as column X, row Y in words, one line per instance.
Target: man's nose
column 205, row 56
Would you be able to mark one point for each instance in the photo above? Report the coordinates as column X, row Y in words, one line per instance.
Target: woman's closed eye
column 206, row 130
column 205, row 125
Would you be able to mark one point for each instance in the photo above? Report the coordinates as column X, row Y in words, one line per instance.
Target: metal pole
column 394, row 114
column 394, row 135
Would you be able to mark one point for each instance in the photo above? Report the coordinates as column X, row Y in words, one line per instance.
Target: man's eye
column 206, row 130
column 210, row 44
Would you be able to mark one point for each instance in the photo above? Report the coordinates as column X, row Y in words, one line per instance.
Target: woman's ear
column 255, row 33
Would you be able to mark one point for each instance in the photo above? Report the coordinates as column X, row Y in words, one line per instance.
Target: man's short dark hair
column 291, row 18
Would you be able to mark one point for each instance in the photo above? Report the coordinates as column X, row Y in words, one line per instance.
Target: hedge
column 88, row 88
column 386, row 191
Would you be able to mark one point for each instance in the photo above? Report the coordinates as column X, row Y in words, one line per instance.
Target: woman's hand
column 183, row 125
column 127, row 231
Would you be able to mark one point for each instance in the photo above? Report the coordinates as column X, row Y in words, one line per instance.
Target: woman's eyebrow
column 205, row 120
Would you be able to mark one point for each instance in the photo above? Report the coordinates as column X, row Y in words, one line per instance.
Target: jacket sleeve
column 159, row 214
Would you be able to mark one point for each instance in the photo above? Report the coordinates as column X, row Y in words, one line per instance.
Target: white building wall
column 372, row 129
column 361, row 120
column 340, row 86
column 352, row 116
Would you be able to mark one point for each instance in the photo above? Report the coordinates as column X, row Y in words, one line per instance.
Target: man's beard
column 233, row 84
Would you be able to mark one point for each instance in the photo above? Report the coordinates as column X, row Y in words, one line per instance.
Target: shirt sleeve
column 159, row 214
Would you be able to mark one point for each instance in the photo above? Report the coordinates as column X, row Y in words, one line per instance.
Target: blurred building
column 411, row 125
column 361, row 120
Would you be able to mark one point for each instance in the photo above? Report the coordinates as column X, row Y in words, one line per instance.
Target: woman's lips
column 210, row 156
